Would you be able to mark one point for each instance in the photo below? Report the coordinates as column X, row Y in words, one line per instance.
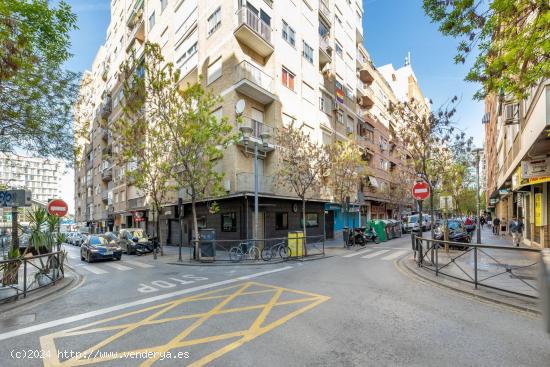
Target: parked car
column 77, row 239
column 457, row 232
column 97, row 247
column 111, row 236
column 134, row 241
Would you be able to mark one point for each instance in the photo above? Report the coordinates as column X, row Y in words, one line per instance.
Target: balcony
column 257, row 130
column 366, row 99
column 366, row 75
column 107, row 173
column 104, row 195
column 324, row 11
column 325, row 51
column 254, row 83
column 137, row 28
column 245, row 183
column 106, row 108
column 253, row 32
column 136, row 14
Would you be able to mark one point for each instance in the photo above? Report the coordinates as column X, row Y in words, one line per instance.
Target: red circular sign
column 421, row 191
column 58, row 208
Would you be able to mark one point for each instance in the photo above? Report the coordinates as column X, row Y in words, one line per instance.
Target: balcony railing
column 247, row 71
column 249, row 18
column 324, row 9
column 258, row 128
column 245, row 182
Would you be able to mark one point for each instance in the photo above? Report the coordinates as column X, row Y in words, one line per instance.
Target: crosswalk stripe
column 374, row 254
column 138, row 264
column 357, row 253
column 118, row 266
column 395, row 255
column 94, row 269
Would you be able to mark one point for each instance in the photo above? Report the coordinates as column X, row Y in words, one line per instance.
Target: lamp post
column 251, row 135
column 478, row 152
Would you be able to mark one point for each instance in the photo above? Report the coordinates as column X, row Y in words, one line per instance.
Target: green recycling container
column 380, row 229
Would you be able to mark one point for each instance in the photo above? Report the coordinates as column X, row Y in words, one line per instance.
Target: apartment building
column 517, row 152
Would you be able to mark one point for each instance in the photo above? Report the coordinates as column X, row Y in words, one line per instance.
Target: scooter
column 370, row 235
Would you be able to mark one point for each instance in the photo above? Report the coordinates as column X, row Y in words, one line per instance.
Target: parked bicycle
column 280, row 249
column 244, row 250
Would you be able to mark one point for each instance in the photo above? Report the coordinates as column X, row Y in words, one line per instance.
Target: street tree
column 37, row 93
column 428, row 138
column 509, row 39
column 196, row 138
column 346, row 170
column 140, row 137
column 302, row 164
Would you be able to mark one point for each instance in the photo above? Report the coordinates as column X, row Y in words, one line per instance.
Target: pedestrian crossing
column 104, row 267
column 379, row 254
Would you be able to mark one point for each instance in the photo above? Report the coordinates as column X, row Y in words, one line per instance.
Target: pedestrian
column 496, row 226
column 516, row 228
column 482, row 221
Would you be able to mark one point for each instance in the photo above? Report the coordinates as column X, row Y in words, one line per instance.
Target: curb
column 66, row 284
column 229, row 263
column 403, row 265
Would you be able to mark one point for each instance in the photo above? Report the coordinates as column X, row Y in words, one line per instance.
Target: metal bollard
column 545, row 288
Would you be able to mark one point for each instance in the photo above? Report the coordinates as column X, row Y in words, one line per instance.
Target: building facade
column 517, row 152
column 283, row 61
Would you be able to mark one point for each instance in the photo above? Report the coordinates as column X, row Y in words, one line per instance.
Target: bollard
column 545, row 288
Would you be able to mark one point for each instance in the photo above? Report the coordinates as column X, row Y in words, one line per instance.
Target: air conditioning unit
column 511, row 113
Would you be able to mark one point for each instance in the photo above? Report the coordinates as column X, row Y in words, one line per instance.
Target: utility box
column 296, row 243
column 207, row 244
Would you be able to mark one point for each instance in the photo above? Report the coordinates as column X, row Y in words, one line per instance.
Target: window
column 340, row 116
column 287, row 79
column 308, row 52
column 152, row 20
column 339, row 49
column 214, row 21
column 289, row 34
column 312, row 220
column 281, row 221
column 229, row 222
column 163, row 5
column 214, row 71
column 325, row 103
column 308, row 93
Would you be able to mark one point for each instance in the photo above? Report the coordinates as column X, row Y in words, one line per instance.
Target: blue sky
column 392, row 29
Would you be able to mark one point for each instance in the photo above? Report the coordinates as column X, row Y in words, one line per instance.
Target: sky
column 392, row 28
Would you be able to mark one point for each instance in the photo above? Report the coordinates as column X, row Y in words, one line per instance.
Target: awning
column 373, row 182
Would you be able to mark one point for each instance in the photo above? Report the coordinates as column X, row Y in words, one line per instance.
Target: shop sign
column 503, row 191
column 538, row 209
column 332, row 207
column 536, row 168
column 539, row 180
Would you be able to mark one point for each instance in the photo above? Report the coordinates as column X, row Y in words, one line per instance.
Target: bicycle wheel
column 267, row 253
column 284, row 252
column 254, row 253
column 235, row 254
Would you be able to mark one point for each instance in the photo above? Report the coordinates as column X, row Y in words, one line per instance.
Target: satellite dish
column 239, row 106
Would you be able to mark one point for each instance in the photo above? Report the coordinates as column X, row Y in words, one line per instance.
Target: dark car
column 98, row 247
column 457, row 232
column 134, row 241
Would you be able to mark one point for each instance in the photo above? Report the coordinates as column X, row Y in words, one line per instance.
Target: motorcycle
column 361, row 236
column 370, row 235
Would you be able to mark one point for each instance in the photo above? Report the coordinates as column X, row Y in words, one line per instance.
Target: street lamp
column 478, row 152
column 250, row 136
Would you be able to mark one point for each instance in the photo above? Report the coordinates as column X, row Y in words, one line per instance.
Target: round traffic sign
column 58, row 208
column 421, row 191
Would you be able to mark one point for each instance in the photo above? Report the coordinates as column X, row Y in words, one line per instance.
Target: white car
column 412, row 223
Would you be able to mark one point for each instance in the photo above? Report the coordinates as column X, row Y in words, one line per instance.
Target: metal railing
column 324, row 44
column 258, row 128
column 250, row 19
column 27, row 274
column 323, row 8
column 245, row 70
column 260, row 251
column 489, row 266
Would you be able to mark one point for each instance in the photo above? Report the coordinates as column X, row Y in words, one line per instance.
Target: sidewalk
column 510, row 269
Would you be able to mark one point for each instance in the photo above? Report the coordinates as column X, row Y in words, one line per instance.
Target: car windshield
column 98, row 241
column 454, row 225
column 137, row 233
column 412, row 219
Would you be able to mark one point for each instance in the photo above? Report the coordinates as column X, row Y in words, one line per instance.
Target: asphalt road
column 353, row 309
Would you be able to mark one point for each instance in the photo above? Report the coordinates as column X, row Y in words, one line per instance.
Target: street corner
column 196, row 329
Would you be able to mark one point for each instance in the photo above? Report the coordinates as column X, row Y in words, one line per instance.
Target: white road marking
column 395, row 255
column 118, row 266
column 94, row 269
column 374, row 254
column 138, row 264
column 103, row 311
column 357, row 253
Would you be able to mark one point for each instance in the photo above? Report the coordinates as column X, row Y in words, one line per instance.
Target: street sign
column 58, row 208
column 421, row 191
column 15, row 198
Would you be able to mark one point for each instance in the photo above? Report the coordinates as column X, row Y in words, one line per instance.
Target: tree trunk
column 195, row 228
column 432, row 211
column 157, row 231
column 304, row 224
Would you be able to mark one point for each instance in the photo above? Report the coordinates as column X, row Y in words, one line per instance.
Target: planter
column 43, row 279
column 7, row 292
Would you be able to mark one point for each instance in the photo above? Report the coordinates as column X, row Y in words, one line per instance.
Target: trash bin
column 380, row 229
column 398, row 228
column 207, row 244
column 296, row 243
column 389, row 229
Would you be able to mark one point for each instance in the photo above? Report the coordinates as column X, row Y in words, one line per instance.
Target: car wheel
column 81, row 256
column 89, row 258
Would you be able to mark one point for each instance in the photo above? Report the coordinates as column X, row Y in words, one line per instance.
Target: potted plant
column 9, row 272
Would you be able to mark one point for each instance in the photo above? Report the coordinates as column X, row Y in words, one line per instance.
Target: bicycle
column 280, row 249
column 244, row 249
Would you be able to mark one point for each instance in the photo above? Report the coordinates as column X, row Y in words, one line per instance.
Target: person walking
column 516, row 228
column 496, row 226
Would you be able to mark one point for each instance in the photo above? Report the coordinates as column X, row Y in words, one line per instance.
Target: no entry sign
column 58, row 208
column 421, row 191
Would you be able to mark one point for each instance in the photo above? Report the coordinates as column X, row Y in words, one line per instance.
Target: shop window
column 229, row 222
column 281, row 221
column 312, row 220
